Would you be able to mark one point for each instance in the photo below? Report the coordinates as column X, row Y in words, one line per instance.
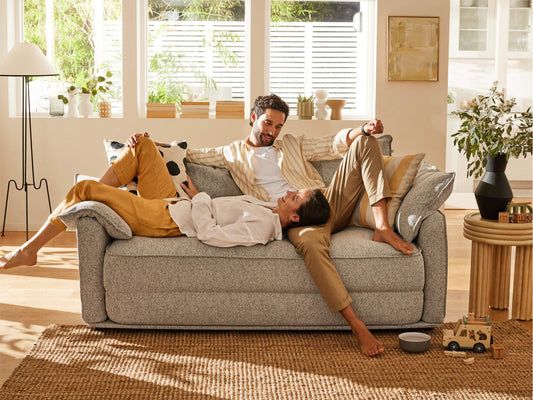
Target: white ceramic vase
column 73, row 101
column 86, row 107
column 321, row 98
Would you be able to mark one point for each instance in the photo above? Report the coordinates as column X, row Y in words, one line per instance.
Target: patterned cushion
column 430, row 190
column 400, row 172
column 174, row 155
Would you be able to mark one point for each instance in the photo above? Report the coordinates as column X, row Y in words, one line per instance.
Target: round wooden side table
column 490, row 268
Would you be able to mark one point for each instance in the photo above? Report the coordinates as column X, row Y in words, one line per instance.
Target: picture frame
column 413, row 48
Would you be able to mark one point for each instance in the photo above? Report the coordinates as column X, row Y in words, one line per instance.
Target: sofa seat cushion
column 144, row 264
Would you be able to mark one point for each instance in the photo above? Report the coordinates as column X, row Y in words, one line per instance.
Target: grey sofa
column 181, row 283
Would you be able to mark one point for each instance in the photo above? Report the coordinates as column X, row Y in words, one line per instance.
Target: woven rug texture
column 77, row 362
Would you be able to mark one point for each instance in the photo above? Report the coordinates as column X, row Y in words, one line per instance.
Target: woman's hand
column 133, row 139
column 189, row 187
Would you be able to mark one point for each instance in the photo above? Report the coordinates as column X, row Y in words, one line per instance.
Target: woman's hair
column 270, row 101
column 315, row 211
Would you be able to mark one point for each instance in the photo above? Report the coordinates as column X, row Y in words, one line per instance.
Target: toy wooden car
column 469, row 333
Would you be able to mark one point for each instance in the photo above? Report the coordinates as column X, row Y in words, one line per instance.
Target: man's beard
column 267, row 141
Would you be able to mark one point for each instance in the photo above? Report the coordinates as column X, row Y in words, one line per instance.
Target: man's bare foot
column 388, row 236
column 368, row 343
column 17, row 258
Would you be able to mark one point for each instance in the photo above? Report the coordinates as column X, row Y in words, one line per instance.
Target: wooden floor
column 31, row 298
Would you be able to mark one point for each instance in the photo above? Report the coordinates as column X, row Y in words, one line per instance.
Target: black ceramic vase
column 494, row 191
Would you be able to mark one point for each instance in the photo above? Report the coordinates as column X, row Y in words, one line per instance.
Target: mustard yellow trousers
column 147, row 214
column 360, row 170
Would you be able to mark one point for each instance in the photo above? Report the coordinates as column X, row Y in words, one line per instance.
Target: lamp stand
column 26, row 137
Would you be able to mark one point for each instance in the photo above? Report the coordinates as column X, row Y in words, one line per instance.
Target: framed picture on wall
column 413, row 48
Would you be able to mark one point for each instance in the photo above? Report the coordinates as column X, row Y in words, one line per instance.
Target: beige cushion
column 400, row 171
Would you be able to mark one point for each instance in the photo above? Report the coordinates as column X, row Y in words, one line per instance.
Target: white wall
column 414, row 113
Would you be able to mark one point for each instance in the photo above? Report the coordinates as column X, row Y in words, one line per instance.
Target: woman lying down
column 156, row 212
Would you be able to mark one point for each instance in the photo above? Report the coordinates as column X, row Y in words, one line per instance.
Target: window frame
column 134, row 54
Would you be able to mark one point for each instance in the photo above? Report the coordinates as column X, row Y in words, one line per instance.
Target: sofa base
column 108, row 324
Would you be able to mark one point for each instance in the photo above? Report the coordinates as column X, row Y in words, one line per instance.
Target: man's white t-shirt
column 268, row 173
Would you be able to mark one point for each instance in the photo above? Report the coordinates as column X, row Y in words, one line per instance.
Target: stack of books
column 195, row 109
column 157, row 110
column 230, row 109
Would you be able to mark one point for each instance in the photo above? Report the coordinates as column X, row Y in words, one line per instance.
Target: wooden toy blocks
column 497, row 351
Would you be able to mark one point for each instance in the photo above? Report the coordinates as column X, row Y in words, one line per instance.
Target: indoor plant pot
column 305, row 108
column 490, row 134
column 493, row 191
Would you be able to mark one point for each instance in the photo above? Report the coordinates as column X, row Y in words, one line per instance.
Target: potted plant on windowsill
column 99, row 88
column 305, row 107
column 490, row 134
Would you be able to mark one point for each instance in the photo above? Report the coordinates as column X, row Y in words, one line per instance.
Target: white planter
column 85, row 107
column 73, row 102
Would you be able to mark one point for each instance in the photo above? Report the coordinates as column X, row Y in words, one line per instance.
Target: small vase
column 73, row 102
column 494, row 191
column 336, row 107
column 85, row 107
column 305, row 110
column 104, row 109
column 321, row 98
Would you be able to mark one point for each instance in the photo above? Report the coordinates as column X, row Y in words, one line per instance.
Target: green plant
column 71, row 90
column 490, row 127
column 98, row 86
column 451, row 98
column 303, row 99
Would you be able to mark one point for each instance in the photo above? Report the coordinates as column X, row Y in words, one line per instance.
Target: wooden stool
column 490, row 270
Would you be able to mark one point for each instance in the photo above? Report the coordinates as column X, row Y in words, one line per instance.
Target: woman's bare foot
column 388, row 236
column 17, row 258
column 368, row 343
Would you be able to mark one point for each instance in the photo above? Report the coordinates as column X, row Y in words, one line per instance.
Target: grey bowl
column 414, row 342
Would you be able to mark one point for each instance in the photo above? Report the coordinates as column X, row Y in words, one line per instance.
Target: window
column 321, row 45
column 81, row 38
column 195, row 50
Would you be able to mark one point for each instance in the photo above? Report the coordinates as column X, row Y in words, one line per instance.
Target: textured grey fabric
column 92, row 244
column 357, row 261
column 433, row 243
column 115, row 226
column 430, row 190
column 182, row 283
column 217, row 182
column 258, row 309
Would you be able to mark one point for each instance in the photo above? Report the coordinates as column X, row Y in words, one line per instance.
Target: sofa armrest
column 92, row 244
column 432, row 241
column 113, row 224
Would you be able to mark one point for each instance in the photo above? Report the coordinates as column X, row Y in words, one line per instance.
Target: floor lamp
column 26, row 60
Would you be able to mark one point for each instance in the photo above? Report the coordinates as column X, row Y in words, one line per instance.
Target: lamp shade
column 26, row 59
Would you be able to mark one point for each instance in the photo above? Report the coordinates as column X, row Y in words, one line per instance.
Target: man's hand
column 189, row 187
column 374, row 127
column 133, row 139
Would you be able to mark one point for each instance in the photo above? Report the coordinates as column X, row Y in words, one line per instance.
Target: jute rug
column 76, row 362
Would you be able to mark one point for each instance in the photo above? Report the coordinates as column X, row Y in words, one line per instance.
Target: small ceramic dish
column 414, row 342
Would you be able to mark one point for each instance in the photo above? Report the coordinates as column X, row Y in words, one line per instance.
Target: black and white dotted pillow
column 173, row 154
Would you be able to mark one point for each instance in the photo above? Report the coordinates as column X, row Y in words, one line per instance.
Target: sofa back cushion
column 217, row 182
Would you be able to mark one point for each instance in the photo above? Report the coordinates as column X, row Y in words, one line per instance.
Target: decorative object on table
column 497, row 351
column 160, row 110
column 194, row 109
column 73, row 101
column 413, row 48
column 451, row 102
column 26, row 60
column 85, row 106
column 321, row 104
column 503, row 217
column 305, row 108
column 519, row 212
column 99, row 88
column 490, row 134
column 232, row 109
column 468, row 333
column 490, row 271
column 57, row 107
column 336, row 106
column 414, row 342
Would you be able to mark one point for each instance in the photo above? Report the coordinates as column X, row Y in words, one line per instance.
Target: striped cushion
column 400, row 171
